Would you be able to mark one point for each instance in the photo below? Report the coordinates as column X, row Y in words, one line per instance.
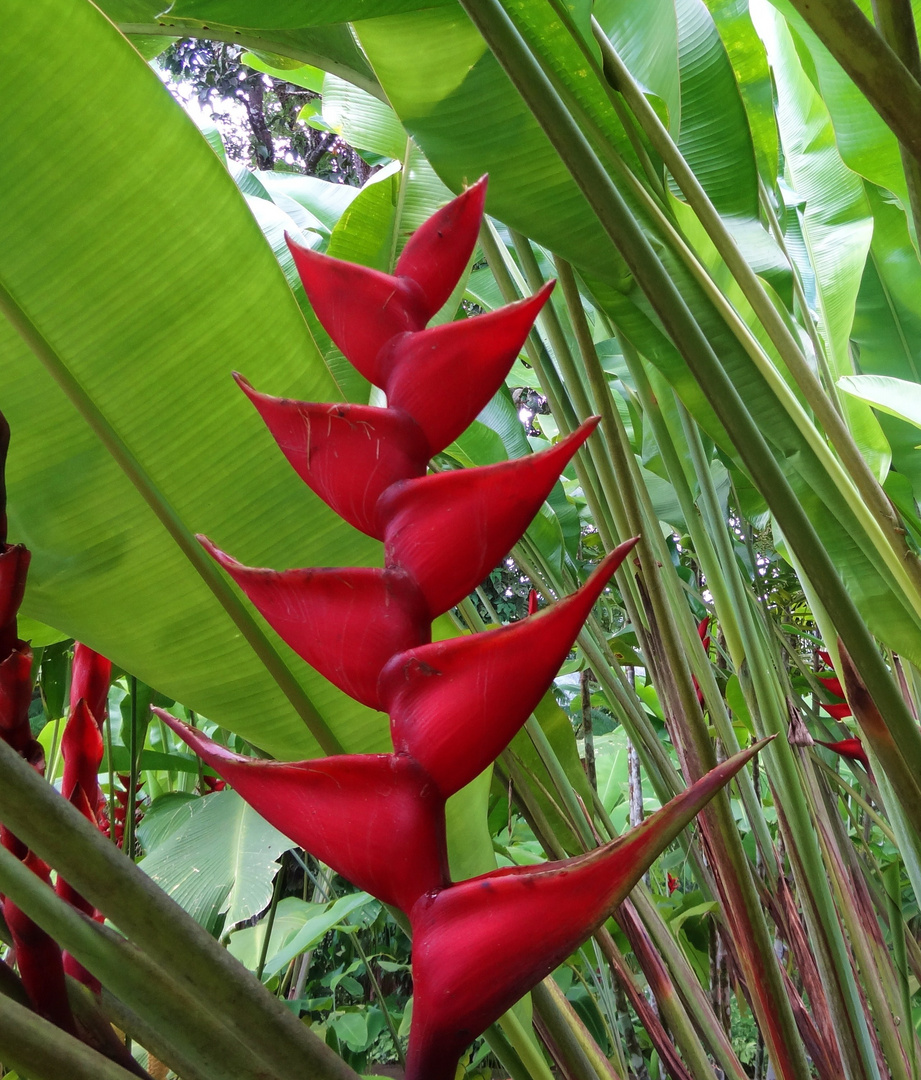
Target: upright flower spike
column 455, row 705
column 519, row 923
column 380, row 819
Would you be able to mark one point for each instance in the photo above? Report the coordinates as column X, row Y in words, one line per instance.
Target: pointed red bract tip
column 448, row 530
column 849, row 748
column 494, row 923
column 832, row 684
column 416, row 368
column 361, row 309
column 532, row 601
column 347, row 454
column 376, row 819
column 346, row 622
column 455, row 705
column 839, row 710
column 438, row 251
column 82, row 748
column 92, row 673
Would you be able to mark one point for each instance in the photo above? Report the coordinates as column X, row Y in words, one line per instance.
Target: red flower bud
column 90, row 681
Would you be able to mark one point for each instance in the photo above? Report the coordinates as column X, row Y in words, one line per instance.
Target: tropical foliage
column 727, row 195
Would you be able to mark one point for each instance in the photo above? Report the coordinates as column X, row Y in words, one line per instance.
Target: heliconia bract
column 379, row 819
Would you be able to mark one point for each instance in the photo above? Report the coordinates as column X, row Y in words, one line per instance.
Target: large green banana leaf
column 135, row 280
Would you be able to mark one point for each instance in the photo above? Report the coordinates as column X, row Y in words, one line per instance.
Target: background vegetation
column 727, row 195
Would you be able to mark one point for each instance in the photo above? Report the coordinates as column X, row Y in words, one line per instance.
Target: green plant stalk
column 270, row 919
column 630, row 480
column 896, row 23
column 655, row 758
column 768, row 710
column 892, row 885
column 580, row 1052
column 60, row 835
column 172, row 522
column 572, row 384
column 667, row 997
column 878, row 72
column 550, row 382
column 694, row 996
column 37, row 1049
column 880, row 522
column 823, row 406
column 525, row 1047
column 879, row 1000
column 148, row 1035
column 734, row 886
column 617, row 222
column 162, row 1000
column 856, row 796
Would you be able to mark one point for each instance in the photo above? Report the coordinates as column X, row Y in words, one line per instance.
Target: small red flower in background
column 673, row 884
column 849, row 748
column 839, row 710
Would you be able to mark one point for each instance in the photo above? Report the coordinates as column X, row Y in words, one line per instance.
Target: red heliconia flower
column 379, row 819
column 519, row 923
column 673, row 884
column 851, row 748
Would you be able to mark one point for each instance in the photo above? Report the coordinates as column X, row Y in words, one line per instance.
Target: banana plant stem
column 132, row 976
column 41, row 1051
column 896, row 23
